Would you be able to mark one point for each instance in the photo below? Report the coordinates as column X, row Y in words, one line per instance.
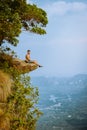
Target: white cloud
column 62, row 7
column 79, row 6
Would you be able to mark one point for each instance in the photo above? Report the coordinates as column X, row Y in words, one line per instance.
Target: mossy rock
column 20, row 65
column 5, row 86
column 4, row 123
column 23, row 67
column 1, row 112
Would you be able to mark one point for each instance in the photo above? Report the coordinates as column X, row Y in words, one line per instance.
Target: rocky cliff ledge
column 22, row 66
column 18, row 64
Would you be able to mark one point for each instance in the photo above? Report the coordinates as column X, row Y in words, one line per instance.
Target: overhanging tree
column 17, row 15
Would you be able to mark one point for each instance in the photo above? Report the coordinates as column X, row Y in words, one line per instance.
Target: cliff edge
column 22, row 66
column 6, row 83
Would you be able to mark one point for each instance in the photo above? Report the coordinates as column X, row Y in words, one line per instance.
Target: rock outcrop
column 5, row 90
column 18, row 64
column 22, row 66
column 5, row 86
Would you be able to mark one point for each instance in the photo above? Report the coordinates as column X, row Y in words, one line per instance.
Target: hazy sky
column 63, row 50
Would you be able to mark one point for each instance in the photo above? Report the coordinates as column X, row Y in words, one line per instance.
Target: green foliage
column 21, row 107
column 16, row 15
column 6, row 55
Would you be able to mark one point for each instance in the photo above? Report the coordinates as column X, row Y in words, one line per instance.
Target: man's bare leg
column 37, row 63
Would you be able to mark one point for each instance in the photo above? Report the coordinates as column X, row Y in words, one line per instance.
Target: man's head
column 28, row 51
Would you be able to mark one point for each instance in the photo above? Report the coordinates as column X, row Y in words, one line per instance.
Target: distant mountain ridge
column 63, row 100
column 61, row 77
column 60, row 86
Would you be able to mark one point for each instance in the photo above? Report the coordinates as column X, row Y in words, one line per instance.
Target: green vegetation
column 18, row 98
column 16, row 16
column 21, row 110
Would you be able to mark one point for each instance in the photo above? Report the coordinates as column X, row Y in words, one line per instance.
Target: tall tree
column 16, row 16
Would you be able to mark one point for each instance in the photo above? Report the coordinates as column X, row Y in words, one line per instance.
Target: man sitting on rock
column 28, row 60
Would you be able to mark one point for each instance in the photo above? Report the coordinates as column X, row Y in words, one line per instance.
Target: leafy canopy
column 16, row 16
